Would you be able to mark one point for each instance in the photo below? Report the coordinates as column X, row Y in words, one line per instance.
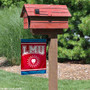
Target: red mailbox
column 45, row 19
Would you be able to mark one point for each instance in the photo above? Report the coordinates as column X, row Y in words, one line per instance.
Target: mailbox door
column 48, row 23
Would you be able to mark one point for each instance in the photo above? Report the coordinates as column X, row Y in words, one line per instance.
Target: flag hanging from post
column 33, row 56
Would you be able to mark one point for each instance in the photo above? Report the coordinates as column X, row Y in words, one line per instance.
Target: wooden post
column 53, row 81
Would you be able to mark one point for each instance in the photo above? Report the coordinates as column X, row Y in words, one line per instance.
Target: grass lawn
column 11, row 80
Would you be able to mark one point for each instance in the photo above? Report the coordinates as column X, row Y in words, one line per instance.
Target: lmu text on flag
column 33, row 56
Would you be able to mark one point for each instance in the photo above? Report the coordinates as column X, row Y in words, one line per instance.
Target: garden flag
column 33, row 56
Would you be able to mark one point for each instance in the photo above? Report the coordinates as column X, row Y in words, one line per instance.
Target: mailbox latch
column 36, row 11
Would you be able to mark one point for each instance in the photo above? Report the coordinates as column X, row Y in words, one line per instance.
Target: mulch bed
column 65, row 71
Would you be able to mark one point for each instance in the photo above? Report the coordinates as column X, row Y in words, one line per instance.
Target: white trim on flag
column 33, row 69
column 33, row 43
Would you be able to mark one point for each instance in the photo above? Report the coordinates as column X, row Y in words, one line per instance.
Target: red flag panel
column 33, row 56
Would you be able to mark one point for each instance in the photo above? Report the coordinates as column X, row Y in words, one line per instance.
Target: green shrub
column 85, row 28
column 11, row 33
column 85, row 25
column 12, row 3
column 70, row 47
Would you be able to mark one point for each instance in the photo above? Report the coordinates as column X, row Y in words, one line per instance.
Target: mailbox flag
column 33, row 56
